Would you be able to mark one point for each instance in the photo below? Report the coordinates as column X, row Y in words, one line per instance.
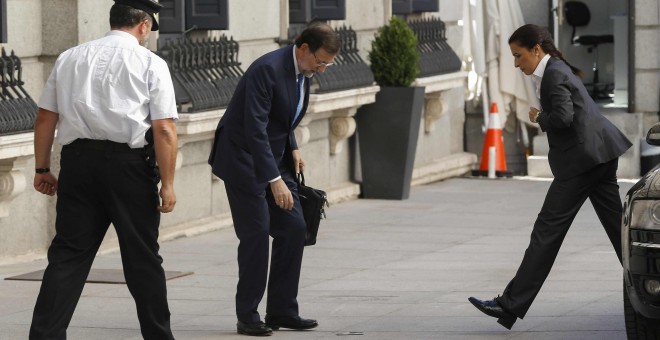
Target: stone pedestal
column 325, row 129
column 440, row 152
column 321, row 135
column 15, row 152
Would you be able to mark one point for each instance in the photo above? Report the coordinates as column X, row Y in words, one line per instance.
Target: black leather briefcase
column 313, row 202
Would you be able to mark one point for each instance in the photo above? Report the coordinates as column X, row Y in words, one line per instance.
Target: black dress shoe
column 254, row 329
column 494, row 309
column 292, row 322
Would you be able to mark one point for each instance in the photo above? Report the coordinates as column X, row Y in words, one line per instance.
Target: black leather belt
column 103, row 145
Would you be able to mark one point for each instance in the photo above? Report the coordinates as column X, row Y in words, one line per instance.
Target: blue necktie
column 301, row 82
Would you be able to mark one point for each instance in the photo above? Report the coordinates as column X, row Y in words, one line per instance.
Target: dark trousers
column 562, row 203
column 256, row 217
column 102, row 183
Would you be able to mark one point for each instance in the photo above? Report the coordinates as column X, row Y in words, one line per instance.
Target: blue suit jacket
column 580, row 137
column 255, row 137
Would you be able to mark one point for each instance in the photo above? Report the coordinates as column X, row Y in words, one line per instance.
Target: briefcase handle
column 301, row 178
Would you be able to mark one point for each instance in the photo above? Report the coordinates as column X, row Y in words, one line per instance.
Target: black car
column 641, row 252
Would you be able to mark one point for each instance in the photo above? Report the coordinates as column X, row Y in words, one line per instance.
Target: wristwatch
column 41, row 170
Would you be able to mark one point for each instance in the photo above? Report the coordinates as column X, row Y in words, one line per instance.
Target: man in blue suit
column 255, row 153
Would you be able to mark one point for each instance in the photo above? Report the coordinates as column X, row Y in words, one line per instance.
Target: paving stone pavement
column 380, row 270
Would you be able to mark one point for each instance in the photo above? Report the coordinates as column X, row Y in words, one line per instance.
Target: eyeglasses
column 321, row 62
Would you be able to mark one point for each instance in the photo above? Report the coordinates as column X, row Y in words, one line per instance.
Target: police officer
column 106, row 97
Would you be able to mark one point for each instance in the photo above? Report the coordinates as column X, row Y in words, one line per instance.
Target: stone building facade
column 38, row 30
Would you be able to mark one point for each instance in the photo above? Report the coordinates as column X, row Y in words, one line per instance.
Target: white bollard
column 492, row 152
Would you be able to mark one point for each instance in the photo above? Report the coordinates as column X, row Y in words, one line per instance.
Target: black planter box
column 387, row 135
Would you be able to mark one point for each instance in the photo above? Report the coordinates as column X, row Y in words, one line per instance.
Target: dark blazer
column 255, row 135
column 580, row 137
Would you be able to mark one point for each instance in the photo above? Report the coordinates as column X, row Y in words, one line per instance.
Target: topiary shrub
column 394, row 57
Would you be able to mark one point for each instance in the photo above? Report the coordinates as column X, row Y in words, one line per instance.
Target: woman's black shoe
column 494, row 309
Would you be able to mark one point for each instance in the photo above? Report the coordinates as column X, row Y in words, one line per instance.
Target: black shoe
column 254, row 329
column 494, row 309
column 292, row 322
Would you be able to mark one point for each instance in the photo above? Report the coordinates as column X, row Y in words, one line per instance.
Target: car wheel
column 637, row 326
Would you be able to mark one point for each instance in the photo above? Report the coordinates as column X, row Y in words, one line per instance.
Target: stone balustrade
column 15, row 153
column 434, row 87
column 323, row 137
column 440, row 152
column 340, row 108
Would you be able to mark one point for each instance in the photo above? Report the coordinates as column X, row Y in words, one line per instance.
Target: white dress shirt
column 109, row 89
column 302, row 93
column 537, row 76
column 299, row 85
column 295, row 64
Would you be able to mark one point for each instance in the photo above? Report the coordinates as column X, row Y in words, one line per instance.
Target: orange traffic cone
column 493, row 159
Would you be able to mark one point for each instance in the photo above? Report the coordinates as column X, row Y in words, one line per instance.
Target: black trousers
column 562, row 203
column 256, row 216
column 102, row 183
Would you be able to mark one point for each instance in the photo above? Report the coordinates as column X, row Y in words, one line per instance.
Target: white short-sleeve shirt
column 109, row 89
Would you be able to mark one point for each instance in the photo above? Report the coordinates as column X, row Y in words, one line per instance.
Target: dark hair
column 530, row 35
column 122, row 16
column 319, row 35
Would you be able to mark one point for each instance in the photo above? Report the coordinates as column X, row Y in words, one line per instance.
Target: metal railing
column 436, row 56
column 205, row 72
column 349, row 71
column 17, row 109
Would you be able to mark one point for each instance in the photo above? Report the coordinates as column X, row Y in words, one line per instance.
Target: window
column 178, row 16
column 171, row 18
column 401, row 6
column 207, row 14
column 3, row 21
column 411, row 6
column 304, row 11
column 426, row 6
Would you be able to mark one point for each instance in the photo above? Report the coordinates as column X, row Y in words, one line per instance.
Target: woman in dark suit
column 584, row 152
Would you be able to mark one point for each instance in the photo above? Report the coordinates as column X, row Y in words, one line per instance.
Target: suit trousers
column 564, row 199
column 99, row 186
column 256, row 216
